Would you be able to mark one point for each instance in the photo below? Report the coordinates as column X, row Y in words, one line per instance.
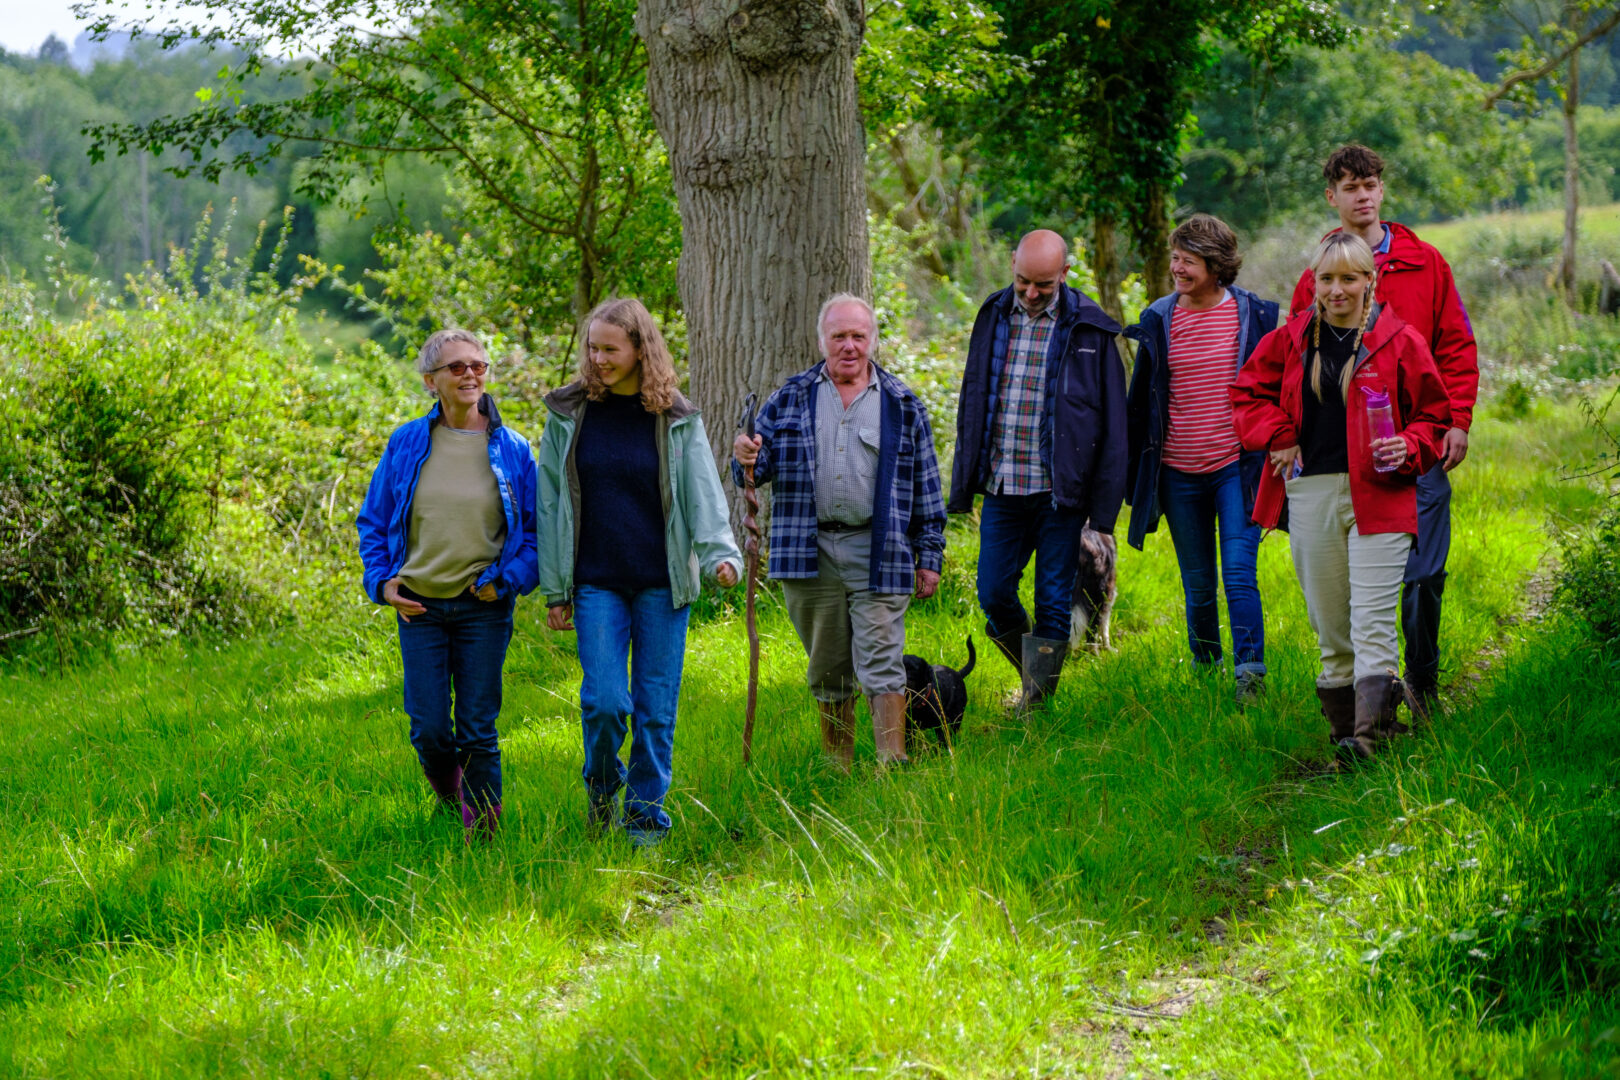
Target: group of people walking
column 1337, row 423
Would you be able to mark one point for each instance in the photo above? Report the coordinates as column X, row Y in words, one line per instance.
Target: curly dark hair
column 1212, row 240
column 1351, row 162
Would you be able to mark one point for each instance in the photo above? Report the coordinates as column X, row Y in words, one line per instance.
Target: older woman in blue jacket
column 448, row 540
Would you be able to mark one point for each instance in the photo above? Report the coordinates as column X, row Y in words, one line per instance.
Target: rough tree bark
column 1105, row 264
column 1155, row 243
column 1572, row 174
column 755, row 100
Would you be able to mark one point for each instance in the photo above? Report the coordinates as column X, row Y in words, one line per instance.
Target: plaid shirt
column 908, row 510
column 1015, row 431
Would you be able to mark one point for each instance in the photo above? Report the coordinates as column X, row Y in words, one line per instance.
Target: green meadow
column 221, row 860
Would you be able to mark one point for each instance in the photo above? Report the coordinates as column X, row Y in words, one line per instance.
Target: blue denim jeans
column 1199, row 508
column 642, row 632
column 1011, row 529
column 453, row 654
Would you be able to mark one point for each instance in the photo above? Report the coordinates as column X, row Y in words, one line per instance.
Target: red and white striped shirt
column 1203, row 364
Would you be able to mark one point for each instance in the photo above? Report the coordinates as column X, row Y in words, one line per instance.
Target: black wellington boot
column 1043, row 667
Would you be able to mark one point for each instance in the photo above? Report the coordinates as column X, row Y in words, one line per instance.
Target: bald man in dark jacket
column 1040, row 428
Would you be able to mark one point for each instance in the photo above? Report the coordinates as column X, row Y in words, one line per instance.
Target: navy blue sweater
column 621, row 510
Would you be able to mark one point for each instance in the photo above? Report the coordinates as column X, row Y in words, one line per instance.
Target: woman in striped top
column 1186, row 462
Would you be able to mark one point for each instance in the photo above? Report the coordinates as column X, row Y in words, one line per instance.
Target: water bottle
column 1380, row 422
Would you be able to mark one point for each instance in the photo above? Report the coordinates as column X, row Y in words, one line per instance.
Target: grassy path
column 222, row 862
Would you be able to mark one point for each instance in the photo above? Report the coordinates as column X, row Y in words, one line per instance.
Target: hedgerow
column 172, row 456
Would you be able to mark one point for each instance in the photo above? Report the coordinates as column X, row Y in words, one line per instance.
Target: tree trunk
column 755, row 100
column 587, row 289
column 1105, row 264
column 1154, row 243
column 146, row 210
column 1572, row 177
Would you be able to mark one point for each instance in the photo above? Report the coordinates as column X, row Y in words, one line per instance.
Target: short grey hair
column 844, row 298
column 428, row 358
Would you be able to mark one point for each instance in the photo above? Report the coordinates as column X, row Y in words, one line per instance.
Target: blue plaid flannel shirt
column 908, row 513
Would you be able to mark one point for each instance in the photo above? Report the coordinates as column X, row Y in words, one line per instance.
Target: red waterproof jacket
column 1267, row 407
column 1415, row 280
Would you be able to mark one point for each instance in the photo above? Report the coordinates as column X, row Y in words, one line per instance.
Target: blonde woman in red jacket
column 1350, row 489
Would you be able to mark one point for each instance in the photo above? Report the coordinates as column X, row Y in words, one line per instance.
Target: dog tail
column 973, row 658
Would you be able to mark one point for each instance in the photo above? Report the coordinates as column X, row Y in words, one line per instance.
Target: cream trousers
column 1352, row 583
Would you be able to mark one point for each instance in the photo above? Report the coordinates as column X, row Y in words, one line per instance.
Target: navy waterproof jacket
column 1083, row 426
column 1148, row 406
column 385, row 516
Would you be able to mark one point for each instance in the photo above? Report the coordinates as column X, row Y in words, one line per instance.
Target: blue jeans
column 1011, row 529
column 612, row 627
column 1194, row 504
column 453, row 654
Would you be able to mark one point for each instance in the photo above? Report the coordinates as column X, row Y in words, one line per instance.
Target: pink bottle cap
column 1376, row 399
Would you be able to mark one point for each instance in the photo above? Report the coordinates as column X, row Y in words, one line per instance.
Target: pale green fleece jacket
column 697, row 528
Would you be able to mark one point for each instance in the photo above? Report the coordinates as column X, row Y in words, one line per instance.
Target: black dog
column 1096, row 584
column 936, row 696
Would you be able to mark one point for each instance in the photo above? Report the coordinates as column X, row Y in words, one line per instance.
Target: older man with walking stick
column 857, row 522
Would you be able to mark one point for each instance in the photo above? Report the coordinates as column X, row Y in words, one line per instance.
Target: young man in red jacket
column 1415, row 280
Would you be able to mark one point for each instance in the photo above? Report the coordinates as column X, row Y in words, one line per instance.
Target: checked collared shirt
column 1015, row 430
column 908, row 511
column 847, row 451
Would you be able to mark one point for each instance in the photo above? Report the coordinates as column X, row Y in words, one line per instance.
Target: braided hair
column 1338, row 252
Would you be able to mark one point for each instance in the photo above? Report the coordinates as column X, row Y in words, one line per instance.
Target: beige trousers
column 1352, row 583
column 851, row 635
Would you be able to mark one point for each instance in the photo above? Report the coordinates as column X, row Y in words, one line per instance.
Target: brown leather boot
column 1339, row 706
column 1374, row 700
column 1389, row 725
column 889, row 728
column 838, row 732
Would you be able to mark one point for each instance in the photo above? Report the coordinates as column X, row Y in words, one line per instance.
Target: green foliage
column 1528, row 336
column 1599, row 131
column 126, row 210
column 540, row 112
column 922, row 58
column 172, row 458
column 1263, row 134
column 1098, row 129
column 1589, row 577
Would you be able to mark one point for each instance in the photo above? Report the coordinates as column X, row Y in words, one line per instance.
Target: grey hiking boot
column 1251, row 686
column 1043, row 667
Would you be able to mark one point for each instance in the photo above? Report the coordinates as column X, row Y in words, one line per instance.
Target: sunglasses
column 461, row 367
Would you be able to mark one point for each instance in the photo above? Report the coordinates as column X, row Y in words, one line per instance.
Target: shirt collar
column 871, row 371
column 1383, row 245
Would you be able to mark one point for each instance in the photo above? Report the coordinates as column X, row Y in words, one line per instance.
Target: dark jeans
column 613, row 627
column 455, row 651
column 1011, row 529
column 1426, row 579
column 1201, row 508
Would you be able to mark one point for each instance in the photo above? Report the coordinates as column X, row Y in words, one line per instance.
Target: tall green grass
column 223, row 861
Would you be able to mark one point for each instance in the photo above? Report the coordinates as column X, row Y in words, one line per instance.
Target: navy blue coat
column 1083, row 426
column 1148, row 406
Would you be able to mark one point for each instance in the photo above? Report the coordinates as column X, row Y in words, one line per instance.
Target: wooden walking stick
column 750, row 523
